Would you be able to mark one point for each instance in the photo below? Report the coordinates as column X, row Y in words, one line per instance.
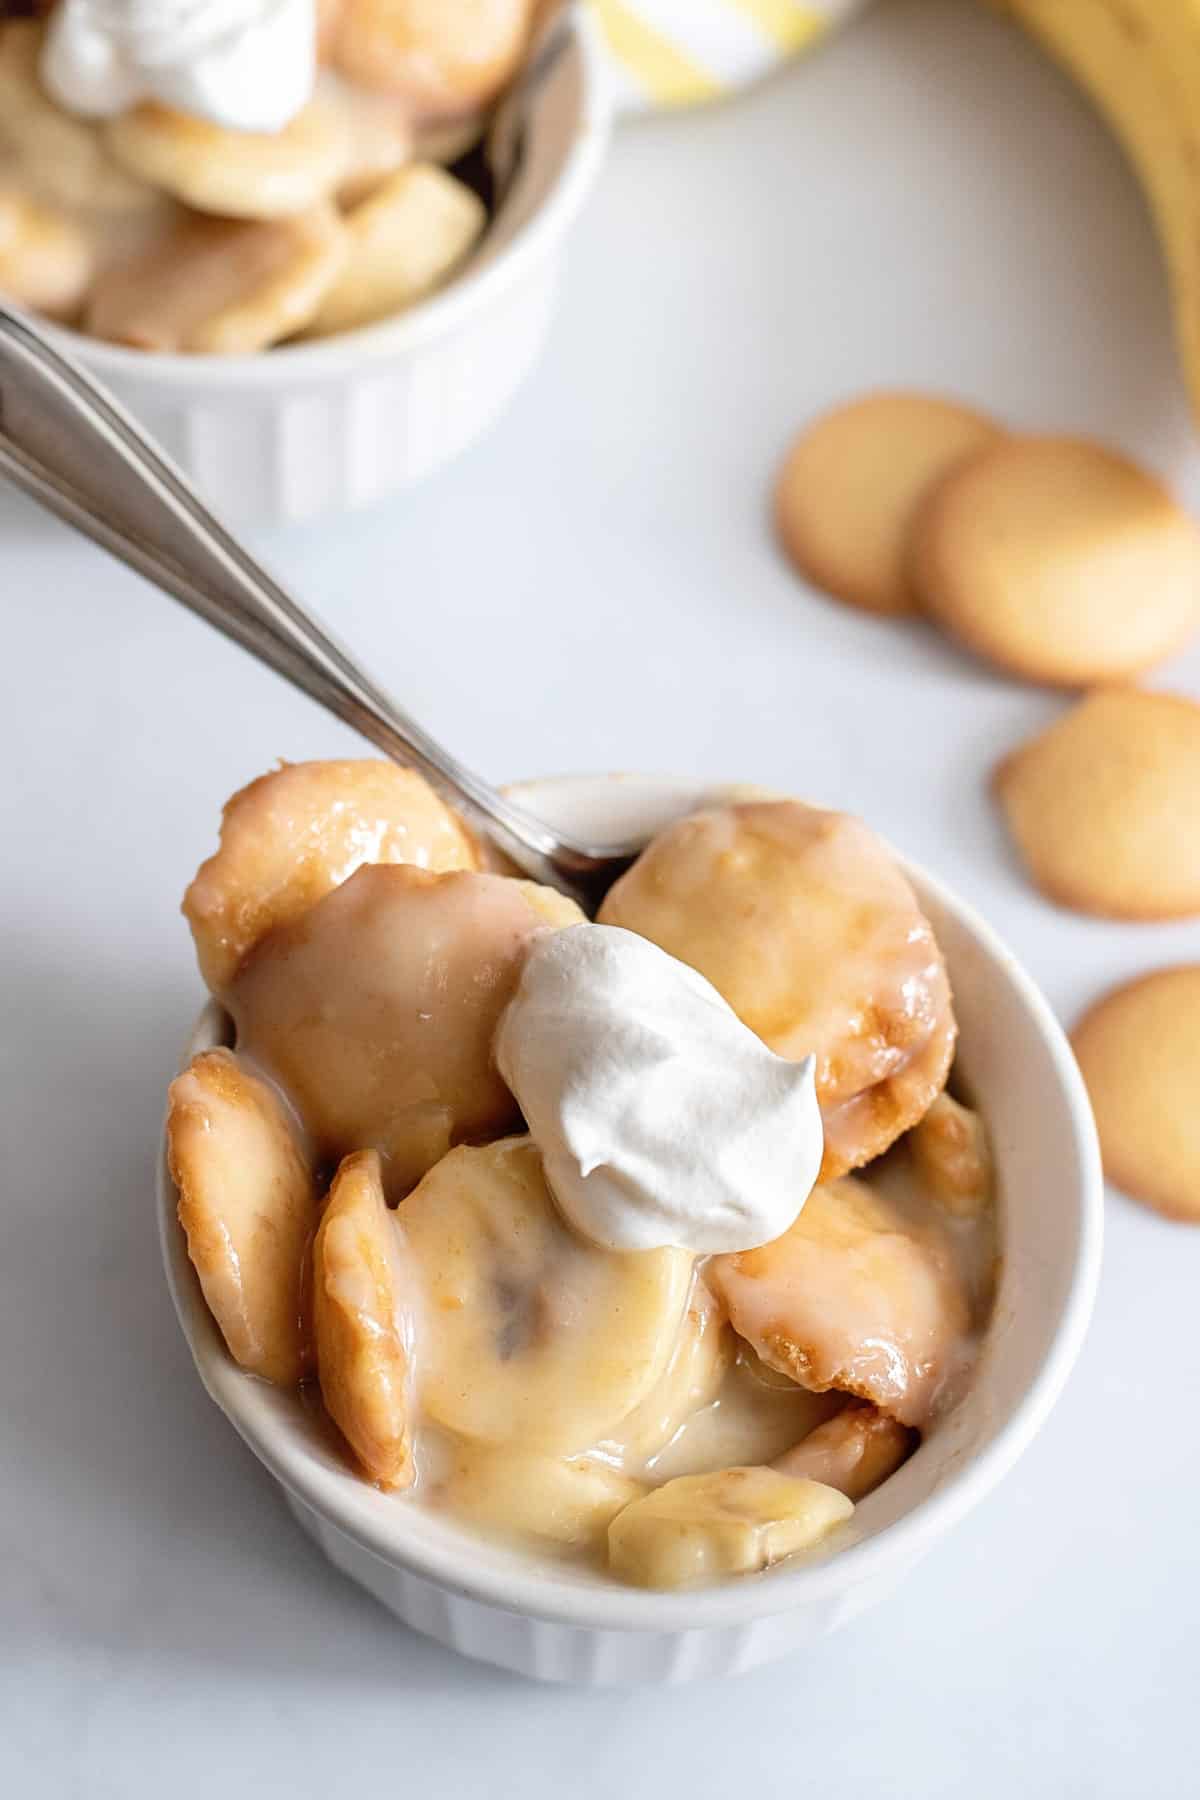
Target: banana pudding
column 549, row 1221
column 220, row 176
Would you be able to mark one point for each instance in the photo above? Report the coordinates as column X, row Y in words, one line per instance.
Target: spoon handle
column 68, row 445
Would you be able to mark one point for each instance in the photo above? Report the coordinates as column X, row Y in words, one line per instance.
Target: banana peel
column 1139, row 63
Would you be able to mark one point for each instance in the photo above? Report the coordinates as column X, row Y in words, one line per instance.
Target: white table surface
column 923, row 201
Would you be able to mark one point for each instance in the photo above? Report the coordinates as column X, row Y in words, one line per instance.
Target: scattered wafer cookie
column 1139, row 1050
column 1105, row 805
column 1058, row 560
column 845, row 495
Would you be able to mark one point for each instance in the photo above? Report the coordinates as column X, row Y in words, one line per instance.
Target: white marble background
column 922, row 201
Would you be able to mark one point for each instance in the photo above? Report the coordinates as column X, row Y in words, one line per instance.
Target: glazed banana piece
column 234, row 174
column 854, row 1452
column 220, row 286
column 247, row 1205
column 1138, row 62
column 700, row 1528
column 532, row 1337
column 46, row 260
column 375, row 1010
column 404, row 240
column 699, row 1362
column 547, row 1503
column 952, row 1157
column 364, row 1296
column 851, row 1297
column 292, row 836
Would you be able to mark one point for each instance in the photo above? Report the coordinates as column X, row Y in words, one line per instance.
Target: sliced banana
column 235, row 174
column 531, row 1336
column 443, row 59
column 247, row 1204
column 363, row 1316
column 549, row 1503
column 701, row 1356
column 805, row 924
column 851, row 1297
column 952, row 1157
column 376, row 1009
column 46, row 259
column 62, row 159
column 699, row 1528
column 292, row 836
column 405, row 239
column 220, row 286
column 853, row 1452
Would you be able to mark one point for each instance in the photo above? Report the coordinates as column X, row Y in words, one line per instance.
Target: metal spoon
column 69, row 445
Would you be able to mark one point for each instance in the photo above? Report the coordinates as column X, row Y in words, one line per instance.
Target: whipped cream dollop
column 250, row 65
column 661, row 1118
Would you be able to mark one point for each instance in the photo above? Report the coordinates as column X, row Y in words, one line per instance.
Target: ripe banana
column 528, row 1335
column 698, row 1528
column 1139, row 61
column 363, row 1296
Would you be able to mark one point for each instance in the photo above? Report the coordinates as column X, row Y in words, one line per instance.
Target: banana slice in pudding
column 247, row 1204
column 851, row 1297
column 699, row 1528
column 404, row 240
column 363, row 1304
column 549, row 1503
column 443, row 59
column 46, row 259
column 292, row 836
column 531, row 1336
column 802, row 920
column 375, row 1010
column 225, row 287
column 702, row 1354
column 235, row 174
column 854, row 1452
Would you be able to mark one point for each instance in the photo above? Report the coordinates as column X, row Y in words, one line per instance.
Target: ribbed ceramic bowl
column 534, row 1616
column 314, row 429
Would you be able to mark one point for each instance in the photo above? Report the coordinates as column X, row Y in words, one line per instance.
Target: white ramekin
column 312, row 429
column 540, row 1619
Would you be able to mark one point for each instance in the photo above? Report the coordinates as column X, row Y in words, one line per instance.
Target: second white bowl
column 315, row 429
column 536, row 1617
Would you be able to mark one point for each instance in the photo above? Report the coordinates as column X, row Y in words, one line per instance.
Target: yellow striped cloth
column 684, row 52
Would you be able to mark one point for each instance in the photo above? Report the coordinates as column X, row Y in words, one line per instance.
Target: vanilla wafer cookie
column 1058, row 560
column 846, row 492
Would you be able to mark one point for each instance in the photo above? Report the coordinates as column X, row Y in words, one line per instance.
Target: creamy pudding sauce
column 756, row 1414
